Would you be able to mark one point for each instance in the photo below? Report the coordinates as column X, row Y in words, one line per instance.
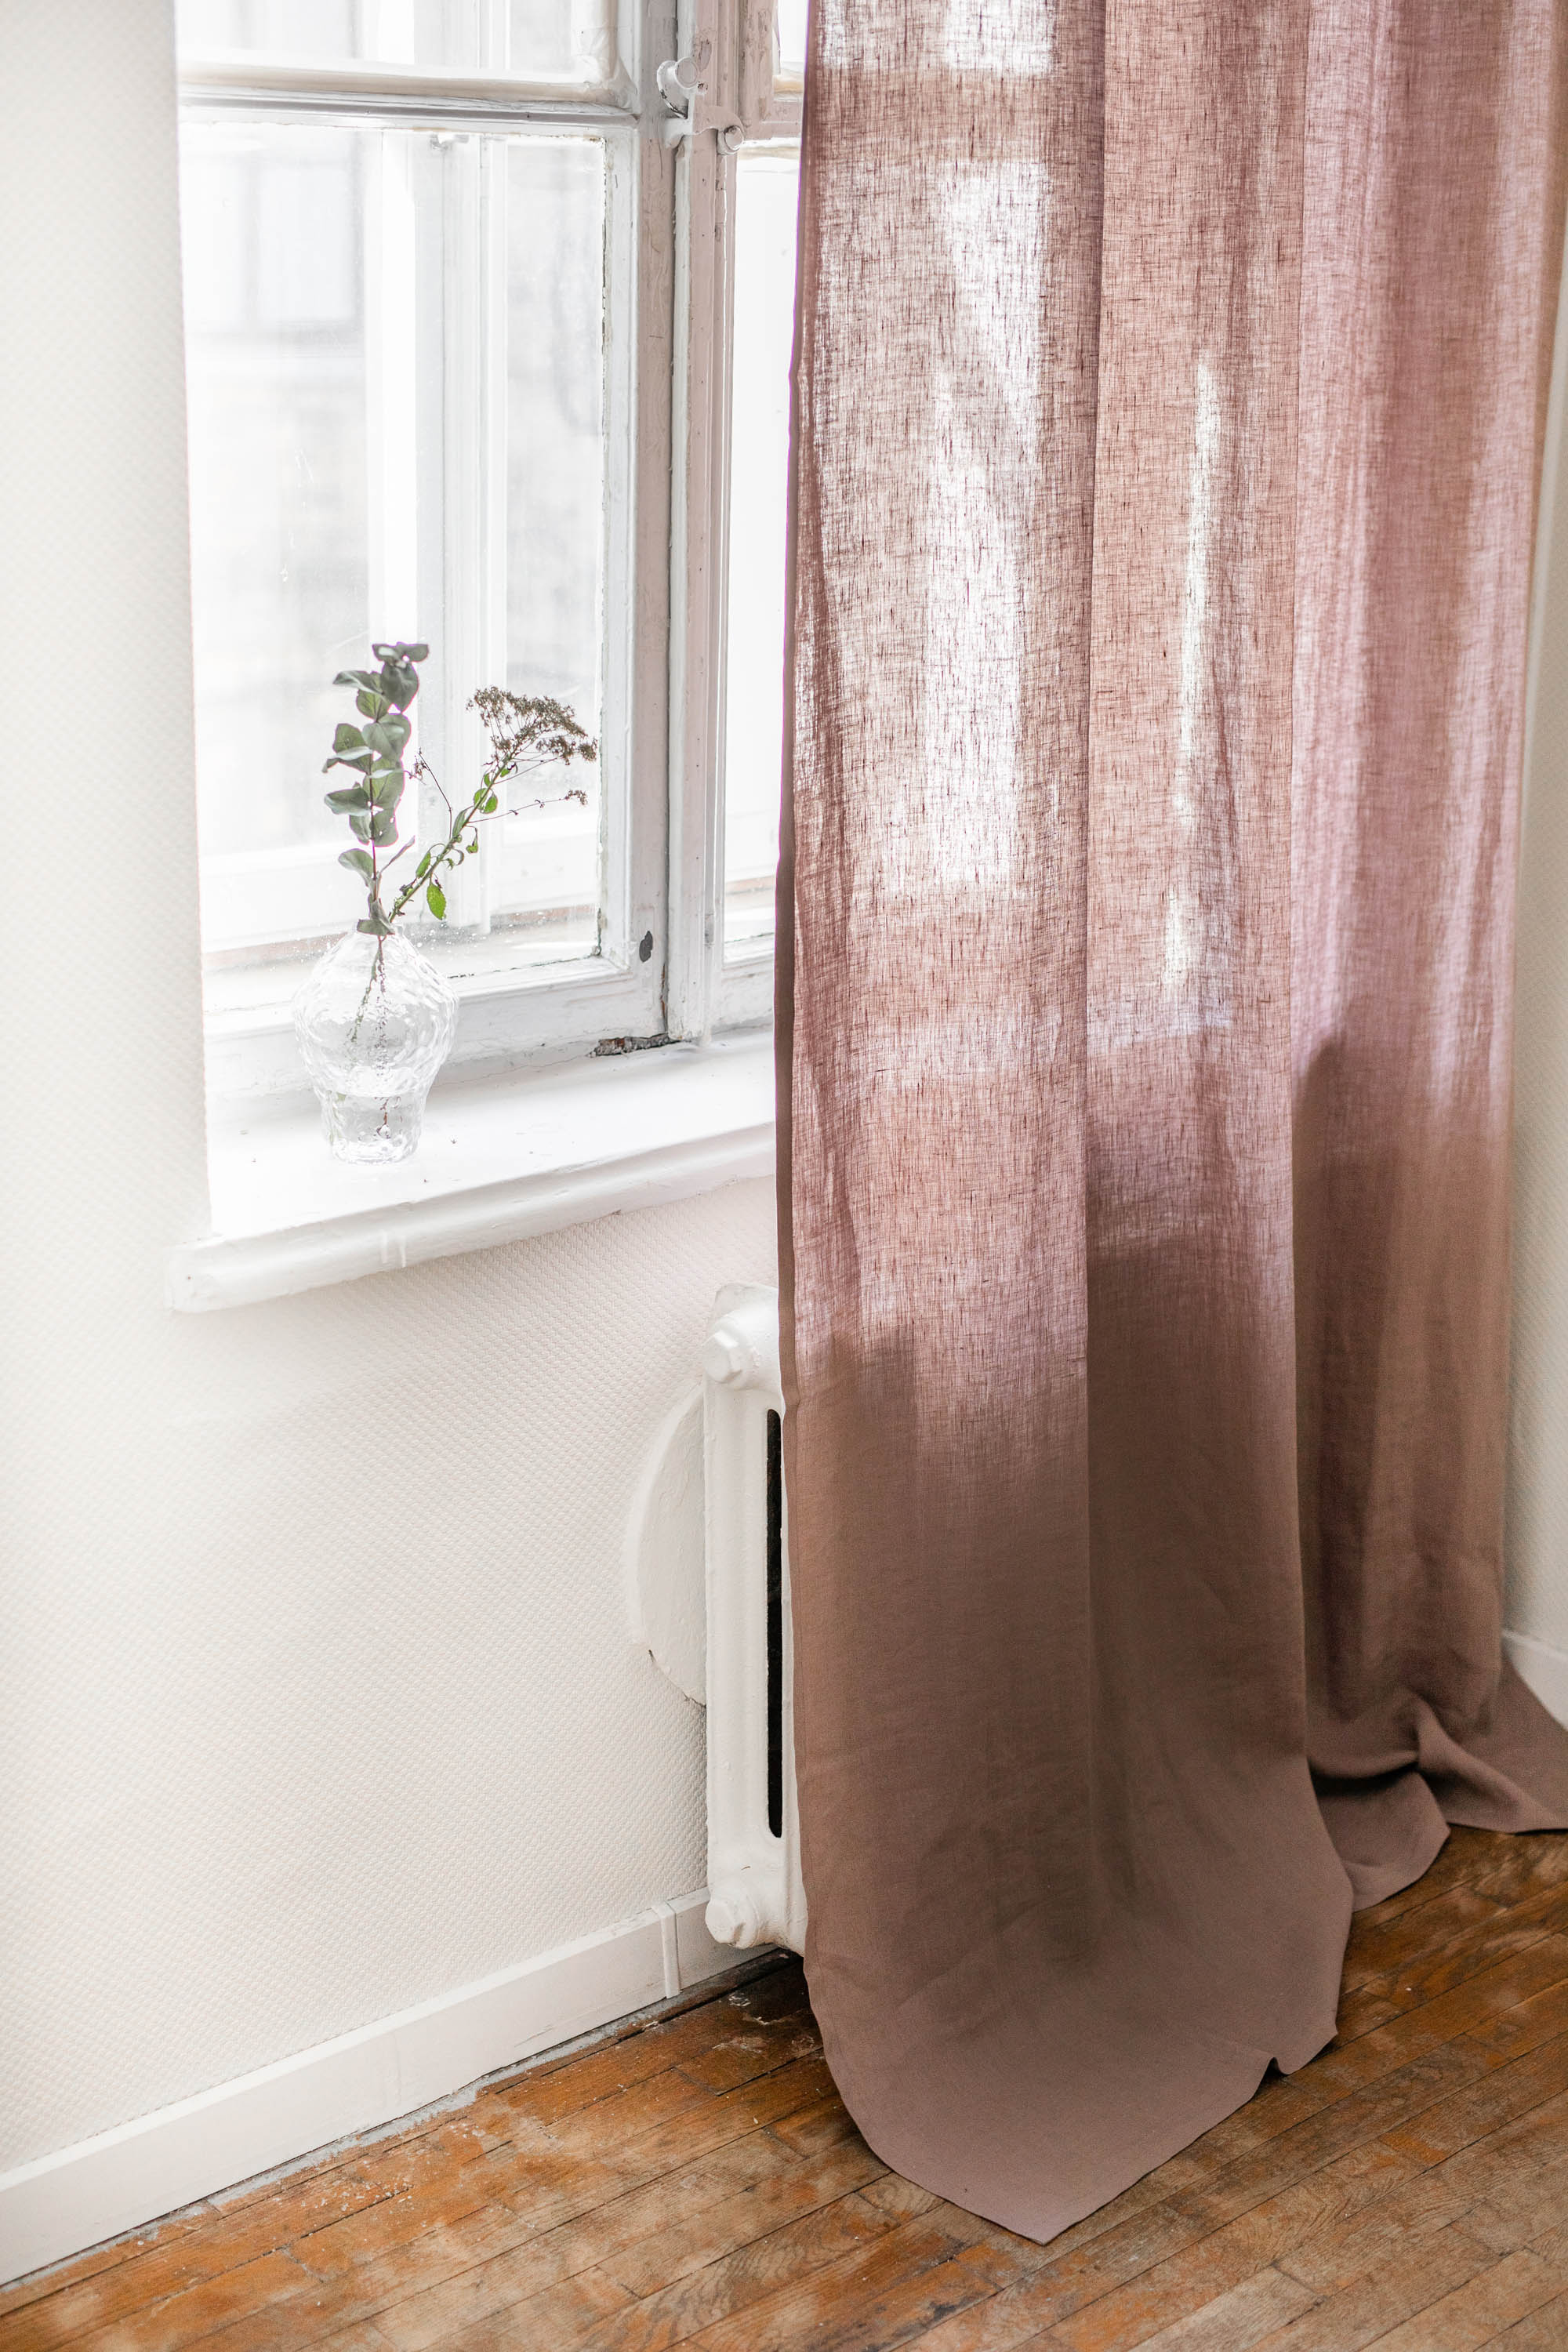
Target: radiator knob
column 732, row 1918
column 741, row 1350
column 726, row 1359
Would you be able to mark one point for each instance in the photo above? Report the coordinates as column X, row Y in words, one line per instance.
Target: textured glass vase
column 374, row 1023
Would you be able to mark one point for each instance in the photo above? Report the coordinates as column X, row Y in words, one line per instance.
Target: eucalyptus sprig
column 527, row 732
column 374, row 752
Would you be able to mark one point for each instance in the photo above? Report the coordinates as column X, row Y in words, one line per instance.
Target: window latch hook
column 681, row 85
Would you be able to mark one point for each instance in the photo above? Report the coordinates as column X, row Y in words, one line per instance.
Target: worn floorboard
column 695, row 2182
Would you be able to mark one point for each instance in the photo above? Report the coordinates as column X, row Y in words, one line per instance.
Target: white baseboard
column 1543, row 1668
column 63, row 2203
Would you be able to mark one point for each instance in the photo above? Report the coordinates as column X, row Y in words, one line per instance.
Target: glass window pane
column 546, row 882
column 527, row 39
column 280, row 420
column 789, row 37
column 355, row 310
column 766, row 188
column 575, row 39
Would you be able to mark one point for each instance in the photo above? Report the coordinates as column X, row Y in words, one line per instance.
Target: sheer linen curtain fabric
column 1169, row 392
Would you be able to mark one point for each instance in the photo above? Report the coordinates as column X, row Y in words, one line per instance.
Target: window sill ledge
column 501, row 1160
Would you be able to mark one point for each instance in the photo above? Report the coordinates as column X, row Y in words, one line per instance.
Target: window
column 488, row 327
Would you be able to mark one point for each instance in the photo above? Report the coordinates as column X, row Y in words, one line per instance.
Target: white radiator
column 755, row 1896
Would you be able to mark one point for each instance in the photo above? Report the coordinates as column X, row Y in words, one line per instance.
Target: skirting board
column 1543, row 1668
column 63, row 2203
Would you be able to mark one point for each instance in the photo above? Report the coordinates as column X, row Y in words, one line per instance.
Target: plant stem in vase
column 376, row 1019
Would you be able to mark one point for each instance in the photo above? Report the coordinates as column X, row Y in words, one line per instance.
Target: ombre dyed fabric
column 1170, row 391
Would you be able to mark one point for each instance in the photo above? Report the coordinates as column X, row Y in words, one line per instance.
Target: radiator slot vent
column 775, row 1624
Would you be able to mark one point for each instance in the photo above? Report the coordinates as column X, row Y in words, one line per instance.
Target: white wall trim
column 501, row 1161
column 240, row 1270
column 63, row 2203
column 1544, row 1668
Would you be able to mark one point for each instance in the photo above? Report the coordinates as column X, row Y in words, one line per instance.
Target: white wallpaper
column 324, row 1700
column 317, row 1699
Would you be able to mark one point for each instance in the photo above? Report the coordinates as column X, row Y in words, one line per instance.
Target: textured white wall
column 1538, row 1451
column 318, row 1700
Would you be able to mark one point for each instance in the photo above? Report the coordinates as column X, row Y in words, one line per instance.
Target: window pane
column 278, row 387
column 395, row 360
column 759, row 470
column 546, row 38
column 790, row 39
column 547, row 877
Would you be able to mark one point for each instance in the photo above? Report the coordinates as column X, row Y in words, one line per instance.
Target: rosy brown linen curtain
column 1170, row 389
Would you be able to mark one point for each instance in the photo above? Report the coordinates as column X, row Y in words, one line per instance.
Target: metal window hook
column 680, row 84
column 679, row 81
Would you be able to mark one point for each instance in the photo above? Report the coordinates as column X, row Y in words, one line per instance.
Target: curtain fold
column 1169, row 390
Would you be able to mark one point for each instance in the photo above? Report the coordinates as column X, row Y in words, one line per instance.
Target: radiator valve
column 741, row 1350
column 731, row 1916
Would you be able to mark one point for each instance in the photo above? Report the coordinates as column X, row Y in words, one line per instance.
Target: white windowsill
column 501, row 1158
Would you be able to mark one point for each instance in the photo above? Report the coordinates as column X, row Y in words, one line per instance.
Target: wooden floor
column 696, row 2182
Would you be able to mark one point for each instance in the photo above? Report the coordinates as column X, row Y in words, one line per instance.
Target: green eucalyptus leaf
column 386, row 790
column 346, row 798
column 355, row 678
column 383, row 827
column 375, row 923
column 399, row 655
column 371, row 700
column 436, row 900
column 387, row 736
column 361, row 825
column 347, row 737
column 360, row 761
column 358, row 861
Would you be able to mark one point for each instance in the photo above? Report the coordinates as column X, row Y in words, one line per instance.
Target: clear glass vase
column 374, row 1023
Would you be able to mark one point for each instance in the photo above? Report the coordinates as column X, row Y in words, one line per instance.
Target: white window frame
column 672, row 193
